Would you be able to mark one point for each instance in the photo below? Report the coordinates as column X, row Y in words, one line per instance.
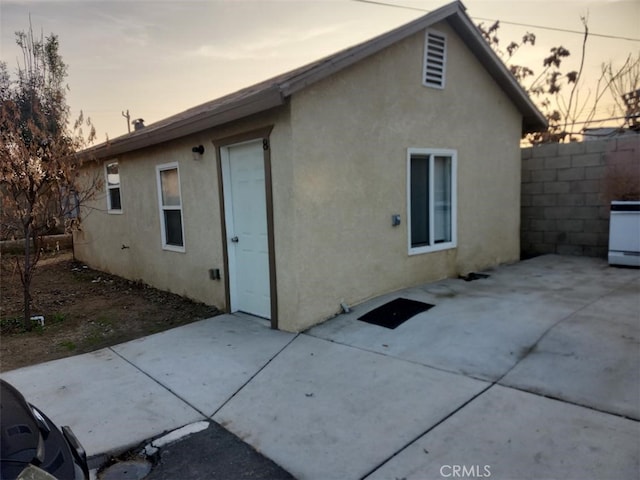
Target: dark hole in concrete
column 395, row 313
column 473, row 276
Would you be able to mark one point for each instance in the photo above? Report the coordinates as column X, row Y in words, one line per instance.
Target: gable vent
column 435, row 59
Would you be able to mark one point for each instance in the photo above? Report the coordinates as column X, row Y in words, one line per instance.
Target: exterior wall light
column 197, row 152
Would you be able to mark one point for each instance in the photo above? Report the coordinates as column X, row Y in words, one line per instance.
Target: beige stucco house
column 389, row 164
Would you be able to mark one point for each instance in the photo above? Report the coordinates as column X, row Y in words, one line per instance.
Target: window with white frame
column 70, row 203
column 435, row 59
column 431, row 197
column 114, row 200
column 170, row 201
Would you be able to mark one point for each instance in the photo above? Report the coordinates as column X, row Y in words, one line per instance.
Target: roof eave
column 147, row 136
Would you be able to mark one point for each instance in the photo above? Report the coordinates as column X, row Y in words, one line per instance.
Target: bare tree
column 40, row 176
column 543, row 87
column 624, row 82
column 564, row 98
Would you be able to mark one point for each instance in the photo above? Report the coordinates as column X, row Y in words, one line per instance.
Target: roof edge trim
column 148, row 136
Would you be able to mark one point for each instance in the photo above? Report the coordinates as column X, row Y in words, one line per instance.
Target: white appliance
column 624, row 234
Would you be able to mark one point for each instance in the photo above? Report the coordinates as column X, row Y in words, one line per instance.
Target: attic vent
column 435, row 58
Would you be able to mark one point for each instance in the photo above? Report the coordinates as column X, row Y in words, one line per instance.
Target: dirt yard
column 83, row 309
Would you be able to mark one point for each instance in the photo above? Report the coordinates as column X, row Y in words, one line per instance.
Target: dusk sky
column 157, row 58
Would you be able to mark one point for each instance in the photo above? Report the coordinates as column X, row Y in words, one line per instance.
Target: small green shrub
column 68, row 345
column 11, row 325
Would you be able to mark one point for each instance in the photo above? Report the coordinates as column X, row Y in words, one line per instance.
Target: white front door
column 246, row 220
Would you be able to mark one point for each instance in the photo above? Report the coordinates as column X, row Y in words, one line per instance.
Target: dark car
column 30, row 440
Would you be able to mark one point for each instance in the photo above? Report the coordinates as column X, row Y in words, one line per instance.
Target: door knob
column 234, row 239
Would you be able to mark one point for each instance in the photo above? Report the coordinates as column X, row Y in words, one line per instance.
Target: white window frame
column 114, row 187
column 162, row 207
column 426, row 59
column 432, row 153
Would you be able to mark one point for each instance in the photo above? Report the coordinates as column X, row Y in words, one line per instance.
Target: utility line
column 599, row 120
column 564, row 30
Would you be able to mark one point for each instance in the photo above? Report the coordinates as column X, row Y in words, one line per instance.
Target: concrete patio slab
column 328, row 411
column 594, row 357
column 209, row 360
column 452, row 335
column 508, row 434
column 109, row 404
column 484, row 327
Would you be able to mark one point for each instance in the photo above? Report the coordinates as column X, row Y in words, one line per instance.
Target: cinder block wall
column 564, row 208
